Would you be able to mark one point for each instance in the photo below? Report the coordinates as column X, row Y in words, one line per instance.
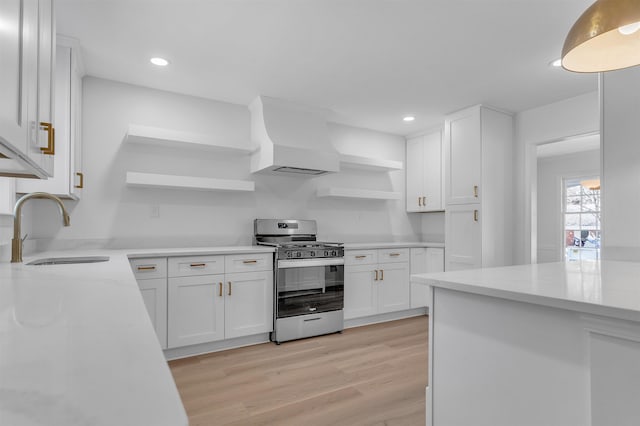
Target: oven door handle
column 305, row 263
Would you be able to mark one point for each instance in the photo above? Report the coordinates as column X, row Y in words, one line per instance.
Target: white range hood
column 292, row 139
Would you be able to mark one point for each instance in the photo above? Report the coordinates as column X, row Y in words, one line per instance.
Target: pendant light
column 606, row 37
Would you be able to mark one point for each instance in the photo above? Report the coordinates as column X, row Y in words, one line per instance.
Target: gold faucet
column 16, row 241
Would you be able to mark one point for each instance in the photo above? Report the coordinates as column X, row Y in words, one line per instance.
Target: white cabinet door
column 248, row 303
column 46, row 82
column 432, row 179
column 415, row 173
column 65, row 182
column 418, row 265
column 154, row 294
column 435, row 259
column 463, row 157
column 360, row 291
column 463, row 235
column 195, row 310
column 393, row 287
column 18, row 50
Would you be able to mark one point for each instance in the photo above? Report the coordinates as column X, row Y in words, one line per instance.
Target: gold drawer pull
column 419, row 201
column 424, row 201
column 362, row 256
column 249, row 261
column 81, row 184
column 381, row 274
column 51, row 139
column 394, row 254
column 198, row 265
column 229, row 288
column 220, row 289
column 376, row 278
column 475, row 191
column 475, row 215
column 146, row 268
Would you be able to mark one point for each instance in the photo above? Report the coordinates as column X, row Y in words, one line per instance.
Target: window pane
column 590, row 221
column 572, row 221
column 573, row 204
column 569, row 239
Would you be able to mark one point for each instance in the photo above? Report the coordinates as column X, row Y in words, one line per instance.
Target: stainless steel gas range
column 309, row 279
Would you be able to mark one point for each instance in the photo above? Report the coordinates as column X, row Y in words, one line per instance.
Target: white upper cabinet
column 463, row 149
column 68, row 179
column 26, row 49
column 424, row 173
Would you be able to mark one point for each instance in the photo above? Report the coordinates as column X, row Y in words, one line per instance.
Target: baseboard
column 220, row 345
column 389, row 316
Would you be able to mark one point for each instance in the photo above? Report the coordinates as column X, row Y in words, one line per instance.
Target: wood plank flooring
column 372, row 375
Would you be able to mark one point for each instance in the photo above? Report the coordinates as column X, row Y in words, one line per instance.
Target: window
column 581, row 212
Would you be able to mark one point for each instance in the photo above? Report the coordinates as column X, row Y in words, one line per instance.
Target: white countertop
column 383, row 245
column 77, row 346
column 607, row 288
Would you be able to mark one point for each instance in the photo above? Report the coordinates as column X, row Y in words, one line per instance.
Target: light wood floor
column 372, row 375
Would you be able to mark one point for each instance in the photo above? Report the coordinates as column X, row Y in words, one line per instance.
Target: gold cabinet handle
column 198, row 265
column 419, row 201
column 361, row 256
column 424, row 201
column 229, row 288
column 475, row 191
column 220, row 289
column 376, row 278
column 146, row 268
column 394, row 254
column 381, row 274
column 249, row 261
column 51, row 139
column 81, row 184
column 475, row 215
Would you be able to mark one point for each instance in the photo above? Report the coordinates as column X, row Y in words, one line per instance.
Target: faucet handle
column 25, row 237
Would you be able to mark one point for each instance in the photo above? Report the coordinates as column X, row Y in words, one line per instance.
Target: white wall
column 112, row 214
column 551, row 171
column 575, row 116
column 621, row 164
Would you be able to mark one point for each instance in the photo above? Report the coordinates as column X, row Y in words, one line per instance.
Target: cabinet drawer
column 149, row 268
column 360, row 257
column 393, row 255
column 197, row 265
column 248, row 262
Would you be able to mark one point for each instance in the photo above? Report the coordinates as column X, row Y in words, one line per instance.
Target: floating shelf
column 152, row 180
column 368, row 163
column 358, row 193
column 176, row 139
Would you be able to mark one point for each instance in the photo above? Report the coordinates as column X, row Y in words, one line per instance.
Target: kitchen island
column 545, row 344
column 77, row 346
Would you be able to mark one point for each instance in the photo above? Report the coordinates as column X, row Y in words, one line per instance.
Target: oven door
column 309, row 286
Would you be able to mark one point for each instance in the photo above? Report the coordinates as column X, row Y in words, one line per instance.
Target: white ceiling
column 569, row 146
column 369, row 61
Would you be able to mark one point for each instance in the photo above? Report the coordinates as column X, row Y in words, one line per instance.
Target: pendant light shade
column 604, row 37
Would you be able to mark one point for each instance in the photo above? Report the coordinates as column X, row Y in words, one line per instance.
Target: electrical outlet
column 155, row 211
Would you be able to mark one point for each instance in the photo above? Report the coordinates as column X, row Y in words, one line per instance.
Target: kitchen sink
column 68, row 260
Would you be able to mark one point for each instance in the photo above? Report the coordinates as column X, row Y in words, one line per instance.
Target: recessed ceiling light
column 409, row 118
column 556, row 63
column 161, row 62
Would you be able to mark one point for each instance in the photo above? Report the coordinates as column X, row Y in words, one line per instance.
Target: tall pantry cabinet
column 478, row 188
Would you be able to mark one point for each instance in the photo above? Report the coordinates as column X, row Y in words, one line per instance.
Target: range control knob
column 326, row 253
column 312, row 253
column 298, row 254
column 334, row 253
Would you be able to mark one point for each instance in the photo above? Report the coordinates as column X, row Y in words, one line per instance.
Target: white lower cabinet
column 196, row 310
column 248, row 304
column 151, row 275
column 154, row 294
column 375, row 282
column 205, row 307
column 424, row 260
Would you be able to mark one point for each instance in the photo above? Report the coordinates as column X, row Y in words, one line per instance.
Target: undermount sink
column 68, row 260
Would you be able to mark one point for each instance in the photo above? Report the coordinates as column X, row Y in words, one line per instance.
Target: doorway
column 567, row 210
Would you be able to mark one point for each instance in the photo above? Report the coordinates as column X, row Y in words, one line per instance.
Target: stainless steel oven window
column 309, row 290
